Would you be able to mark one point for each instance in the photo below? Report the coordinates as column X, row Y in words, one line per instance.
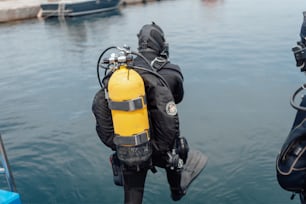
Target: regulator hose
column 151, row 70
column 292, row 102
column 98, row 64
column 154, row 73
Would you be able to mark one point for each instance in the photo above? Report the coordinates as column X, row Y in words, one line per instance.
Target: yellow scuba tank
column 126, row 91
column 127, row 102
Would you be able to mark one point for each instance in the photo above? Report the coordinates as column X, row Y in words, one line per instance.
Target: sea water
column 239, row 73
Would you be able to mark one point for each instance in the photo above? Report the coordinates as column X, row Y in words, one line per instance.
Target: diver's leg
column 173, row 176
column 302, row 198
column 134, row 182
column 174, row 180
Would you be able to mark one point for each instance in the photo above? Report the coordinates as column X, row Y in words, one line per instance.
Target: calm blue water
column 239, row 75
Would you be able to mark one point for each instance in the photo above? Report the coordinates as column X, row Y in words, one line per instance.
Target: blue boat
column 70, row 8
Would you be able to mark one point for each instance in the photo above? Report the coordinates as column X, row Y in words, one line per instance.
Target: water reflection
column 77, row 27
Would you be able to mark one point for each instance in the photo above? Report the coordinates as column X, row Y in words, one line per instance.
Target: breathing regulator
column 119, row 57
column 178, row 156
column 300, row 57
column 299, row 52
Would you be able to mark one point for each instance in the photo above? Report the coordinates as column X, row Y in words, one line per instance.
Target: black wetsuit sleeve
column 164, row 126
column 174, row 77
column 179, row 90
column 104, row 123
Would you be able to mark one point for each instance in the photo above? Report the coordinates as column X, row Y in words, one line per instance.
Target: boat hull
column 70, row 8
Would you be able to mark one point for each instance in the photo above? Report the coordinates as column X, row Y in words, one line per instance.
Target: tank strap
column 133, row 140
column 130, row 105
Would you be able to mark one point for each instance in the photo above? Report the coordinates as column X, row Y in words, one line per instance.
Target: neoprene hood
column 151, row 39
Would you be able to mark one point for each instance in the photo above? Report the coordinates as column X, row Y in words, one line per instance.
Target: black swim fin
column 196, row 161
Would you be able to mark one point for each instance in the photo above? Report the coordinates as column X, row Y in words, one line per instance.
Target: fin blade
column 195, row 164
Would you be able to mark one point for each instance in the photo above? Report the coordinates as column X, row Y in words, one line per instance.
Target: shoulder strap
column 158, row 63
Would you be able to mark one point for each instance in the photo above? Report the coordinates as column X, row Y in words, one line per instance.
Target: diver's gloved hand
column 174, row 161
column 177, row 157
column 182, row 148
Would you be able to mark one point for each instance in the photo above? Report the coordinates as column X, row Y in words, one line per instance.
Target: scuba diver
column 137, row 117
column 291, row 161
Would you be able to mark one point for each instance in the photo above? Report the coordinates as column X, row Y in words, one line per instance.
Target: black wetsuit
column 290, row 163
column 164, row 127
column 300, row 116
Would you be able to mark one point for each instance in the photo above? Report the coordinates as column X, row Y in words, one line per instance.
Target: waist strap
column 132, row 140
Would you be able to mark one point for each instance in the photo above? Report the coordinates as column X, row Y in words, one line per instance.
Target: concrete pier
column 13, row 10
